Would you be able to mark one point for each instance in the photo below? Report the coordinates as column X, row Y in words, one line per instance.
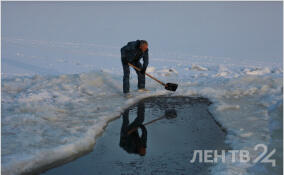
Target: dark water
column 185, row 125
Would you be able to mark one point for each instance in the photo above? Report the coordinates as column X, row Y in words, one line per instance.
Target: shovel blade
column 171, row 86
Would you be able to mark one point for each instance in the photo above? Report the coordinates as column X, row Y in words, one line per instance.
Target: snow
column 56, row 106
column 223, row 107
column 150, row 69
column 198, row 68
column 258, row 71
column 62, row 77
column 167, row 72
column 54, row 117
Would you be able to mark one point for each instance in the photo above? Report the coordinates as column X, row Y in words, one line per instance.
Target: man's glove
column 143, row 70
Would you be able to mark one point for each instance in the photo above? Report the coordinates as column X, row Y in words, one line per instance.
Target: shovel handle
column 148, row 75
column 152, row 121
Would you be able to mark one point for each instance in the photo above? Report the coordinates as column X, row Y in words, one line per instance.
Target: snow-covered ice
column 54, row 117
column 62, row 77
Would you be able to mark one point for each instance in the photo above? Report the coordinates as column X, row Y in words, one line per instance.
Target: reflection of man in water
column 132, row 142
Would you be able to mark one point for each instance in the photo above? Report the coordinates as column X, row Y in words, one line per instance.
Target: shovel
column 168, row 86
column 169, row 114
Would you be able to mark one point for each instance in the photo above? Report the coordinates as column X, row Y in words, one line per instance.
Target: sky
column 238, row 30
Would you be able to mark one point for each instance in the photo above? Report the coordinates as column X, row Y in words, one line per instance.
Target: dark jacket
column 132, row 142
column 131, row 53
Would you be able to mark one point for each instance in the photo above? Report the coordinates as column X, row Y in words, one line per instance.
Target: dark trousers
column 126, row 72
column 138, row 120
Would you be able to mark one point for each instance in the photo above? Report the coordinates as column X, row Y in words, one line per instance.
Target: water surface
column 165, row 146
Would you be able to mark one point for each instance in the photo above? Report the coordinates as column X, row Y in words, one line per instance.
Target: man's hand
column 143, row 70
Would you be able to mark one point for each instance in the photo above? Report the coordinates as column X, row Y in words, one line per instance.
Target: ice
column 150, row 69
column 62, row 76
column 258, row 71
column 167, row 72
column 57, row 117
column 223, row 107
column 198, row 68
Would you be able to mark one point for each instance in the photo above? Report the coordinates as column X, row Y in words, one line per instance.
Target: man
column 131, row 142
column 132, row 53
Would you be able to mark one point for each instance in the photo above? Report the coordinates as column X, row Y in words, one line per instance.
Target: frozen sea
column 62, row 76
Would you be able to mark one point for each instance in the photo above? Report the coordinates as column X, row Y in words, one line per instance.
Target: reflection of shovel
column 169, row 114
column 168, row 86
